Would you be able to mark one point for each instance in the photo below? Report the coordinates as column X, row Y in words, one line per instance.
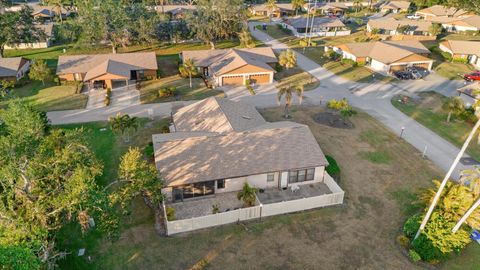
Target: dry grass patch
column 296, row 77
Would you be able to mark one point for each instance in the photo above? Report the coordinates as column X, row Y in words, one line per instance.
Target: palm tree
column 123, row 124
column 471, row 177
column 453, row 105
column 287, row 59
column 58, row 4
column 188, row 69
column 297, row 4
column 288, row 93
column 357, row 4
column 271, row 6
column 248, row 195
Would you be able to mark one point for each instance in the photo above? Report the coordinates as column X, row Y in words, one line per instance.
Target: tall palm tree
column 189, row 69
column 287, row 59
column 288, row 93
column 297, row 4
column 248, row 195
column 271, row 6
column 123, row 124
column 246, row 40
column 58, row 4
column 453, row 105
column 471, row 178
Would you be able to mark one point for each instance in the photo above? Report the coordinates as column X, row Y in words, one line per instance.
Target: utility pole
column 308, row 16
column 467, row 214
column 445, row 179
column 311, row 26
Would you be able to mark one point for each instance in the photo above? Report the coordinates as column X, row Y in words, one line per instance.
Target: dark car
column 474, row 76
column 403, row 75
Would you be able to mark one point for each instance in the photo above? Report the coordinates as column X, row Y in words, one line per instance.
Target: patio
column 203, row 205
column 304, row 191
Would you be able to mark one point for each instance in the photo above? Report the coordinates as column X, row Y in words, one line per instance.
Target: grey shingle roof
column 10, row 66
column 301, row 22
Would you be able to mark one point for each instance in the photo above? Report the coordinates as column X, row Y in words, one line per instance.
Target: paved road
column 375, row 100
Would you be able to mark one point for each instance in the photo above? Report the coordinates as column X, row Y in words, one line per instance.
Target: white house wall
column 379, row 66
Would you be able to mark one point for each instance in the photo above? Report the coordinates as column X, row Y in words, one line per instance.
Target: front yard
column 445, row 68
column 428, row 111
column 296, row 77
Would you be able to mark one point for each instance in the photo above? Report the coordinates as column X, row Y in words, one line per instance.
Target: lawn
column 275, row 32
column 428, row 111
column 447, row 69
column 50, row 97
column 295, row 77
column 149, row 89
column 360, row 233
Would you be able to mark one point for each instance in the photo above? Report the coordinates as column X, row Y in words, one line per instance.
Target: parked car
column 474, row 76
column 403, row 75
column 413, row 17
column 417, row 72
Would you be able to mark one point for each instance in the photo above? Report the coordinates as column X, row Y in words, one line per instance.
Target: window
column 270, row 177
column 301, row 175
column 220, row 184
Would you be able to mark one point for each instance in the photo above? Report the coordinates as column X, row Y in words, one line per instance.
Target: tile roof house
column 395, row 6
column 218, row 140
column 393, row 29
column 319, row 27
column 469, row 93
column 281, row 10
column 386, row 56
column 462, row 24
column 49, row 12
column 235, row 66
column 107, row 68
column 14, row 68
column 469, row 50
column 332, row 8
column 439, row 11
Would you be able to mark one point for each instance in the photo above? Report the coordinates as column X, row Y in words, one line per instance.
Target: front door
column 283, row 180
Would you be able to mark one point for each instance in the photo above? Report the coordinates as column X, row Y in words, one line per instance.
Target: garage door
column 233, row 80
column 423, row 65
column 397, row 68
column 260, row 78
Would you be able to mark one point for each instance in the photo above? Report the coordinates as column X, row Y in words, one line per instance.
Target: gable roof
column 470, row 90
column 200, row 155
column 96, row 63
column 463, row 46
column 439, row 10
column 10, row 66
column 217, row 115
column 393, row 24
column 469, row 21
column 263, row 7
column 396, row 5
column 301, row 22
column 224, row 61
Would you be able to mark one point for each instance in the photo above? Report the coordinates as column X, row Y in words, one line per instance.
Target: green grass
column 296, row 77
column 49, row 97
column 275, row 32
column 149, row 89
column 429, row 113
column 447, row 69
column 468, row 259
column 377, row 157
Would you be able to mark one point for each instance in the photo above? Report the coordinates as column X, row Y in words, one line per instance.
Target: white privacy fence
column 265, row 210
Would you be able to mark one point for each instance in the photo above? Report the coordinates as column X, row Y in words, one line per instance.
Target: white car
column 413, row 17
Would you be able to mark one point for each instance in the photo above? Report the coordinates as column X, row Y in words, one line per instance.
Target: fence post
column 165, row 217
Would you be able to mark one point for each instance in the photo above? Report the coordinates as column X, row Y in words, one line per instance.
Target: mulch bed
column 332, row 119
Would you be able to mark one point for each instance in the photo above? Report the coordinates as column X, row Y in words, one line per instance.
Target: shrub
column 427, row 251
column 159, row 73
column 468, row 115
column 403, row 241
column 250, row 89
column 332, row 169
column 460, row 60
column 278, row 67
column 165, row 129
column 167, row 92
column 361, row 63
column 148, row 150
column 248, row 82
column 414, row 255
column 349, row 62
column 56, row 80
column 108, row 96
column 215, row 209
column 411, row 225
column 170, row 213
column 332, row 55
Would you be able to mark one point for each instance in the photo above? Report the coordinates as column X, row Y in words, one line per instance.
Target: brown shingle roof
column 396, row 5
column 463, row 46
column 393, row 24
column 263, row 7
column 85, row 63
column 10, row 66
column 439, row 10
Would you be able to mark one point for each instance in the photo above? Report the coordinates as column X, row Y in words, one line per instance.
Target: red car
column 474, row 76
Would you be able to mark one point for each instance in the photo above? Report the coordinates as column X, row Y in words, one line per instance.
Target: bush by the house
column 170, row 213
column 278, row 67
column 148, row 150
column 332, row 169
column 165, row 129
column 56, row 80
column 361, row 63
column 403, row 241
column 350, row 62
column 445, row 55
column 414, row 255
column 250, row 89
column 167, row 92
column 248, row 82
column 332, row 55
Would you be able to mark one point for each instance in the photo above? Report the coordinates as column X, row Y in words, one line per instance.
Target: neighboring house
column 461, row 49
column 392, row 29
column 235, row 66
column 176, row 11
column 462, row 24
column 386, row 56
column 395, row 6
column 334, row 8
column 107, row 68
column 319, row 27
column 44, row 41
column 439, row 12
column 48, row 13
column 14, row 68
column 281, row 10
column 470, row 93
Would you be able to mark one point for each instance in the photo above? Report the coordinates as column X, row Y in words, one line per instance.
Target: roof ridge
column 223, row 112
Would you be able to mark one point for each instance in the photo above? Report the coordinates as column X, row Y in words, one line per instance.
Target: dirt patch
column 332, row 119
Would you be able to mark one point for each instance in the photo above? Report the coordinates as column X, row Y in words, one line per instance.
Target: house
column 217, row 145
column 14, row 68
column 44, row 41
column 386, row 56
column 392, row 29
column 176, row 11
column 462, row 24
column 320, row 26
column 330, row 9
column 48, row 13
column 439, row 12
column 395, row 6
column 235, row 66
column 280, row 10
column 462, row 49
column 469, row 93
column 107, row 68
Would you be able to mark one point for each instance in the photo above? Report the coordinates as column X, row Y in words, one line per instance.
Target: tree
column 123, row 124
column 435, row 29
column 342, row 106
column 18, row 27
column 248, row 195
column 58, row 5
column 188, row 69
column 139, row 178
column 271, row 6
column 5, row 85
column 403, row 29
column 246, row 40
column 287, row 59
column 471, row 178
column 47, row 180
column 39, row 71
column 18, row 258
column 303, row 43
column 297, row 4
column 288, row 93
column 454, row 105
column 357, row 4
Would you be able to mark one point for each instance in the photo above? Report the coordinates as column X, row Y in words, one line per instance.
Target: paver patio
column 304, row 191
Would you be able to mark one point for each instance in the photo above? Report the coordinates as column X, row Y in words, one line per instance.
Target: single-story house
column 390, row 28
column 176, row 11
column 107, row 68
column 386, row 56
column 439, row 11
column 281, row 10
column 462, row 24
column 48, row 12
column 463, row 49
column 319, row 26
column 14, row 68
column 235, row 66
column 333, row 8
column 469, row 93
column 395, row 6
column 44, row 41
column 217, row 145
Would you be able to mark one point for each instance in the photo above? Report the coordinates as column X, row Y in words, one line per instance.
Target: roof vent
column 246, row 117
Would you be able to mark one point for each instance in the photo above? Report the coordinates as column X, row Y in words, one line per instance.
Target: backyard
column 359, row 234
column 428, row 111
column 296, row 77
